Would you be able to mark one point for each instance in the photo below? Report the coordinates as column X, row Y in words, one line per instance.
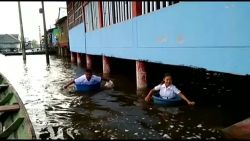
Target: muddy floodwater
column 122, row 113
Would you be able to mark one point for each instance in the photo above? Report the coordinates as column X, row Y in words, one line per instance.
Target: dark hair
column 89, row 70
column 167, row 74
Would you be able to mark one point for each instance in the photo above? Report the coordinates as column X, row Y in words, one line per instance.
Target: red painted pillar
column 100, row 14
column 78, row 57
column 141, row 75
column 105, row 65
column 72, row 57
column 88, row 61
column 136, row 8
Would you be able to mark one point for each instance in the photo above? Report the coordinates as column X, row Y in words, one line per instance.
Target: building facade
column 210, row 35
column 63, row 37
column 9, row 43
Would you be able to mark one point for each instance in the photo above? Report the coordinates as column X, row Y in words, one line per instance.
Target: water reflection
column 119, row 113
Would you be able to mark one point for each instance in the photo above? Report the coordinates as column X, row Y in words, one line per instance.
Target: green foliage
column 34, row 44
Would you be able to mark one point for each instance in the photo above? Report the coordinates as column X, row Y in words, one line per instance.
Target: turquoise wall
column 210, row 35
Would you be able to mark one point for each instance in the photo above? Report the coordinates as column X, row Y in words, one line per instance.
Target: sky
column 31, row 17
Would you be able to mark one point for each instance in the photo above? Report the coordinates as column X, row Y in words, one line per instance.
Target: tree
column 34, row 44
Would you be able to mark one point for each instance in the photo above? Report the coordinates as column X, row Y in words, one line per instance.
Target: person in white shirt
column 88, row 78
column 167, row 90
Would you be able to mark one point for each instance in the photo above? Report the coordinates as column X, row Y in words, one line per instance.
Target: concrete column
column 88, row 61
column 58, row 51
column 72, row 57
column 63, row 54
column 66, row 52
column 79, row 61
column 141, row 75
column 62, row 51
column 105, row 65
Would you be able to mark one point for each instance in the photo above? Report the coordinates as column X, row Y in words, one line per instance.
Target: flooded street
column 118, row 113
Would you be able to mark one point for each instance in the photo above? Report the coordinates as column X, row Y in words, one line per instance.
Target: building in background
column 9, row 43
column 52, row 34
column 63, row 39
column 210, row 35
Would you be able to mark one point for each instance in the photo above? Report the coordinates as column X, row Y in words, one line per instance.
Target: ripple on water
column 109, row 114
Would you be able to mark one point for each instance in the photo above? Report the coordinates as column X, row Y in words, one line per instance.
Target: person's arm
column 149, row 96
column 71, row 82
column 185, row 98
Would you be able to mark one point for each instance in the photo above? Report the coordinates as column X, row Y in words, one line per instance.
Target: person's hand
column 191, row 103
column 147, row 99
column 109, row 84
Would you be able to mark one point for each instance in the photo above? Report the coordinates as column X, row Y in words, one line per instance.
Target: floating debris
column 136, row 134
column 97, row 131
column 113, row 137
column 199, row 137
column 166, row 136
column 189, row 138
column 109, row 131
column 181, row 125
column 171, row 126
column 213, row 138
column 199, row 126
column 126, row 130
column 159, row 122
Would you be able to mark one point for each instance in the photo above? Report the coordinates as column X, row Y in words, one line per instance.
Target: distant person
column 89, row 79
column 167, row 90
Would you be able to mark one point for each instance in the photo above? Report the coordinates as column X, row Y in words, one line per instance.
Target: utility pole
column 40, row 37
column 45, row 34
column 22, row 36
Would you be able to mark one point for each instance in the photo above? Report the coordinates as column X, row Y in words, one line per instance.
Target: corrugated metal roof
column 9, row 39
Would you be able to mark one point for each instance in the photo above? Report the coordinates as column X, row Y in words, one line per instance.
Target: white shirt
column 167, row 92
column 83, row 80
